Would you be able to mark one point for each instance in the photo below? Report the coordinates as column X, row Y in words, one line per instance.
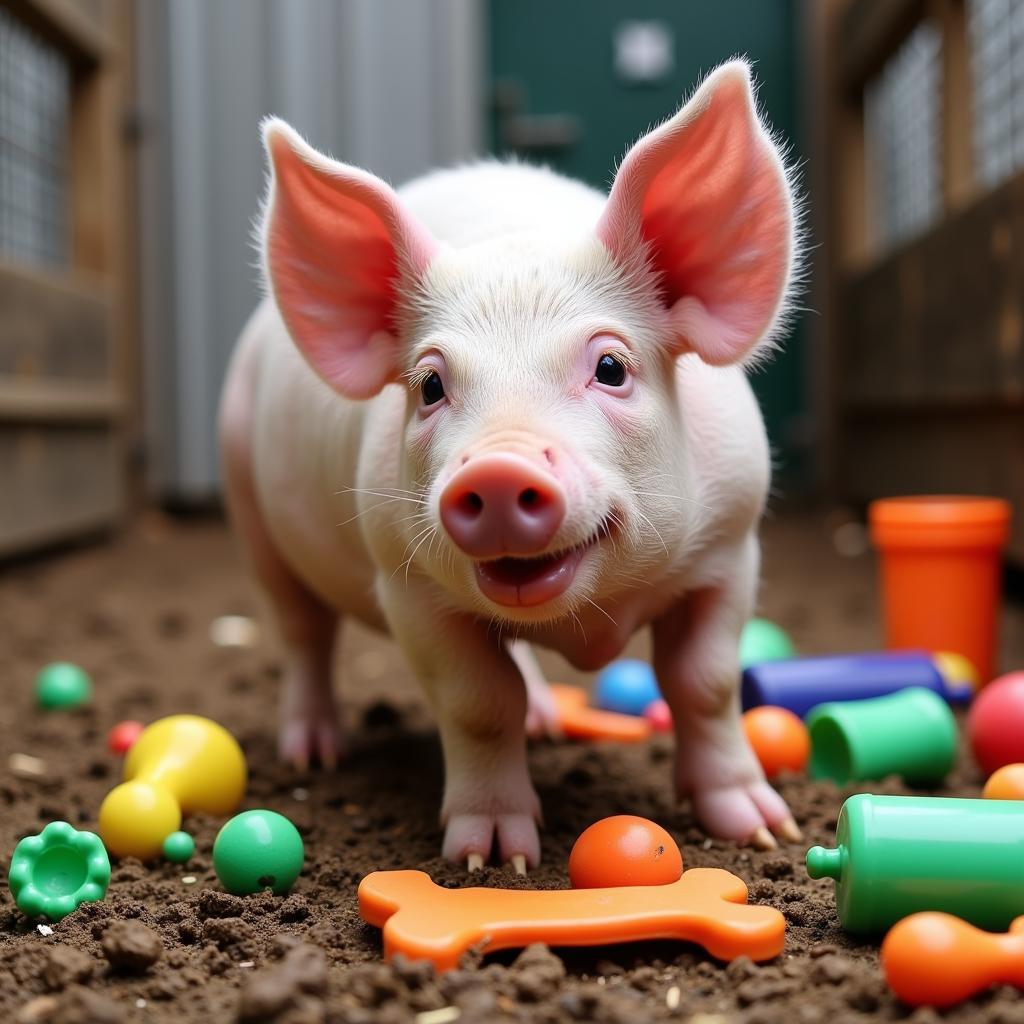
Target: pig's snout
column 500, row 504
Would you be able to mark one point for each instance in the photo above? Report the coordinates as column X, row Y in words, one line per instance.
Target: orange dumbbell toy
column 934, row 959
column 708, row 906
column 177, row 766
column 779, row 739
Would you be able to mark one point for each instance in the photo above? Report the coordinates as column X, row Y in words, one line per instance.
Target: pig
column 497, row 408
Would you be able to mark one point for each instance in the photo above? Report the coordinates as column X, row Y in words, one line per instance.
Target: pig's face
column 542, row 427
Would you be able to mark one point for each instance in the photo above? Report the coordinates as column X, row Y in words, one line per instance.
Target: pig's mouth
column 527, row 582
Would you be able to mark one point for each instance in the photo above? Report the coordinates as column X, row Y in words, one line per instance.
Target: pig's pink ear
column 337, row 246
column 707, row 192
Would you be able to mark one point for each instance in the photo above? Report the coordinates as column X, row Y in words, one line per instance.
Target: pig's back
column 486, row 200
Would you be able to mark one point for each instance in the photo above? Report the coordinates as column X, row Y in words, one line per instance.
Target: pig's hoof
column 747, row 812
column 470, row 838
column 303, row 742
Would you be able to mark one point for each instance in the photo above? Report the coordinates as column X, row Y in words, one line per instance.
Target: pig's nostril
column 471, row 504
column 529, row 498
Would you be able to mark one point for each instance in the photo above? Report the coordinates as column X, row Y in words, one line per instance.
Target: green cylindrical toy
column 896, row 855
column 911, row 733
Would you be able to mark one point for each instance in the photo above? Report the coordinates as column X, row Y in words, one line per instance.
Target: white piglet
column 496, row 408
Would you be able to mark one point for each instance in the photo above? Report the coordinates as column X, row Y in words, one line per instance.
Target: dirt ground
column 167, row 945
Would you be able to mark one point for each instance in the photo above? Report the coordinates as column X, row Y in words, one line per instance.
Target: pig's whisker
column 601, row 610
column 424, row 533
column 409, row 560
column 579, row 625
column 416, row 517
column 418, row 499
column 657, row 533
column 387, row 501
column 674, row 497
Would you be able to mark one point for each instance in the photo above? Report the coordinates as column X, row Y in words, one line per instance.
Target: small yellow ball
column 136, row 818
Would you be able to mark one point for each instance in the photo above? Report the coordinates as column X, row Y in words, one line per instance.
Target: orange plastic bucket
column 940, row 573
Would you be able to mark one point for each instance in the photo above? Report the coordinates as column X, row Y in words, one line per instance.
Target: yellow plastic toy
column 178, row 765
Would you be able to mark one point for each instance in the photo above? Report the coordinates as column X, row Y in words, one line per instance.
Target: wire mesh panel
column 34, row 102
column 996, row 31
column 902, row 112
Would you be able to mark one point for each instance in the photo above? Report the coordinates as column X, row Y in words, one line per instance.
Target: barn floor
column 136, row 614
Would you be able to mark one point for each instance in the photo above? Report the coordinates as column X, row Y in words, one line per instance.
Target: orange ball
column 624, row 850
column 779, row 738
column 1006, row 783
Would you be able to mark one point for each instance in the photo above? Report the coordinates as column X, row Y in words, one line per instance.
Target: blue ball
column 626, row 686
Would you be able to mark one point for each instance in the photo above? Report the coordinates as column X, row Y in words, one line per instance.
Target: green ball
column 62, row 685
column 764, row 641
column 178, row 847
column 258, row 850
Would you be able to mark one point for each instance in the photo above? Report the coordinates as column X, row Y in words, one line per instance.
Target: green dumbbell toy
column 896, row 855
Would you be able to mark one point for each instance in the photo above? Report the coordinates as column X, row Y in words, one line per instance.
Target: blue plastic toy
column 800, row 684
column 627, row 686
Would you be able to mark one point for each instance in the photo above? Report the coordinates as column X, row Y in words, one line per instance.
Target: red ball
column 624, row 850
column 995, row 723
column 779, row 738
column 122, row 737
column 659, row 716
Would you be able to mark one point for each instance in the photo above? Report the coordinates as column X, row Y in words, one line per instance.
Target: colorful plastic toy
column 178, row 765
column 896, row 855
column 55, row 872
column 122, row 737
column 624, row 850
column 62, row 686
column 762, row 640
column 626, row 686
column 940, row 569
column 424, row 921
column 801, row 684
column 577, row 721
column 1007, row 783
column 995, row 723
column 912, row 734
column 658, row 716
column 258, row 850
column 778, row 738
column 178, row 847
column 933, row 959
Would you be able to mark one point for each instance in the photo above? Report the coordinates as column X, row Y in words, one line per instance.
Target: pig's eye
column 610, row 371
column 432, row 389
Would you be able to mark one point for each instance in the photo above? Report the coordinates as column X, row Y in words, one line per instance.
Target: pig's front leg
column 479, row 698
column 696, row 658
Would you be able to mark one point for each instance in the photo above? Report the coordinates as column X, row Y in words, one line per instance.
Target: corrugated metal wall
column 390, row 85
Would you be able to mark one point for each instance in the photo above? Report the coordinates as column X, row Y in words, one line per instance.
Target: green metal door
column 577, row 81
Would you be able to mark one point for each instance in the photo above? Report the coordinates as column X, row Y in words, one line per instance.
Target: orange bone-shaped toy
column 708, row 906
column 934, row 959
column 578, row 721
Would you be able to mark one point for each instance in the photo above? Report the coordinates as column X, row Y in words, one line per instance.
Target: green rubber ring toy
column 55, row 872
